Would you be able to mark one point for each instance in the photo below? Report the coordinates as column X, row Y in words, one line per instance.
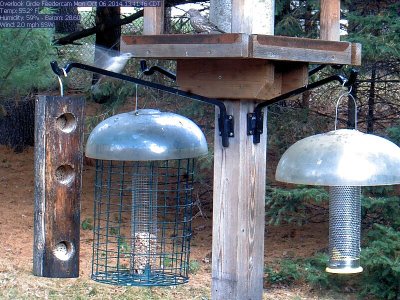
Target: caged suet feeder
column 344, row 160
column 143, row 203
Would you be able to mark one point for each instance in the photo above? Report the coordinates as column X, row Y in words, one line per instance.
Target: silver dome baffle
column 344, row 160
column 143, row 204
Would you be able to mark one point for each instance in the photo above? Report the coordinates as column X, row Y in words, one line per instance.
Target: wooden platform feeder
column 242, row 68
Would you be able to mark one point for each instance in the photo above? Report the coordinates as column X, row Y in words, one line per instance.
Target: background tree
column 376, row 25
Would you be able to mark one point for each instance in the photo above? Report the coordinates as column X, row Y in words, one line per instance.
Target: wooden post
column 238, row 211
column 221, row 14
column 239, row 188
column 253, row 17
column 58, row 172
column 330, row 20
column 153, row 19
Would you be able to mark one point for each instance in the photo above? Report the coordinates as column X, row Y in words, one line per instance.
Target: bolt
column 230, row 133
column 250, row 131
column 230, row 117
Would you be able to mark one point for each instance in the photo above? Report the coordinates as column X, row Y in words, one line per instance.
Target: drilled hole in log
column 66, row 122
column 63, row 250
column 65, row 174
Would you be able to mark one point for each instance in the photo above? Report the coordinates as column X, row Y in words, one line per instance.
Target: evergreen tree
column 296, row 18
column 376, row 25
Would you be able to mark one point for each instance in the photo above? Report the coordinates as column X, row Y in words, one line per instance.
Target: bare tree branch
column 71, row 38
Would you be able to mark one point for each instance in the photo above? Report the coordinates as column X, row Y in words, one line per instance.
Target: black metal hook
column 255, row 120
column 151, row 70
column 225, row 121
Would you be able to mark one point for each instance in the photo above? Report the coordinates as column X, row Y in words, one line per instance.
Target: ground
column 16, row 238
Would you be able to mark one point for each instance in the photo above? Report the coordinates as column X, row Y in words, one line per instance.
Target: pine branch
column 71, row 38
column 3, row 81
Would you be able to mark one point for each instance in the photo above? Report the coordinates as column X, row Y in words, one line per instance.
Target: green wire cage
column 143, row 197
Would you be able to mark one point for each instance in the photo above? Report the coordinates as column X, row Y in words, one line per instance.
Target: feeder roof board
column 242, row 46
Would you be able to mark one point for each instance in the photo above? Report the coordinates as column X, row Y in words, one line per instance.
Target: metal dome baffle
column 344, row 160
column 143, row 203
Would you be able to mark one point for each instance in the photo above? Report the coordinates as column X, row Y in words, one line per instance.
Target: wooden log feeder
column 241, row 68
column 58, row 164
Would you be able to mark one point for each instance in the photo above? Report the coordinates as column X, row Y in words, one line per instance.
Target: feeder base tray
column 127, row 279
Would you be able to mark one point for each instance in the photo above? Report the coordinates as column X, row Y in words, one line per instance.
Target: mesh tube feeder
column 143, row 203
column 344, row 160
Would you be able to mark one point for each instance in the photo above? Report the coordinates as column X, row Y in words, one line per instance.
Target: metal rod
column 151, row 70
column 257, row 115
column 316, row 69
column 321, row 67
column 342, row 80
column 223, row 116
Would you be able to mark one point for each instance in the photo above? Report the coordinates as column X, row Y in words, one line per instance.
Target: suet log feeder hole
column 58, row 162
column 65, row 174
column 64, row 250
column 143, row 197
column 66, row 122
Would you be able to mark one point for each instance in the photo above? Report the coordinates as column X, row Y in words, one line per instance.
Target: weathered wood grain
column 174, row 46
column 330, row 20
column 228, row 78
column 179, row 39
column 238, row 211
column 58, row 166
column 242, row 46
column 301, row 50
column 250, row 16
column 356, row 54
column 153, row 19
column 294, row 75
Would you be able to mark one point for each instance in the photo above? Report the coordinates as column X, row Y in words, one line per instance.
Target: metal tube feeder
column 344, row 160
column 143, row 204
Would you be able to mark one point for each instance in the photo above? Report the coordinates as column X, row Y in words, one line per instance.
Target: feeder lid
column 146, row 134
column 342, row 157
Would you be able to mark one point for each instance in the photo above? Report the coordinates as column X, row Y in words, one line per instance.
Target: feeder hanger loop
column 255, row 120
column 225, row 121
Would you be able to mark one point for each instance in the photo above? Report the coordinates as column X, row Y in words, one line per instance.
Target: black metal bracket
column 255, row 120
column 225, row 121
column 151, row 70
column 321, row 67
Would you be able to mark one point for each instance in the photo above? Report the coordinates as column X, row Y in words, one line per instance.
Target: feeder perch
column 344, row 160
column 143, row 203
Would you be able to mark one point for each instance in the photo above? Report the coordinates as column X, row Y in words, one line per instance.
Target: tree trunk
column 285, row 11
column 167, row 20
column 67, row 26
column 371, row 101
column 17, row 123
column 106, row 38
column 308, row 23
column 308, row 28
